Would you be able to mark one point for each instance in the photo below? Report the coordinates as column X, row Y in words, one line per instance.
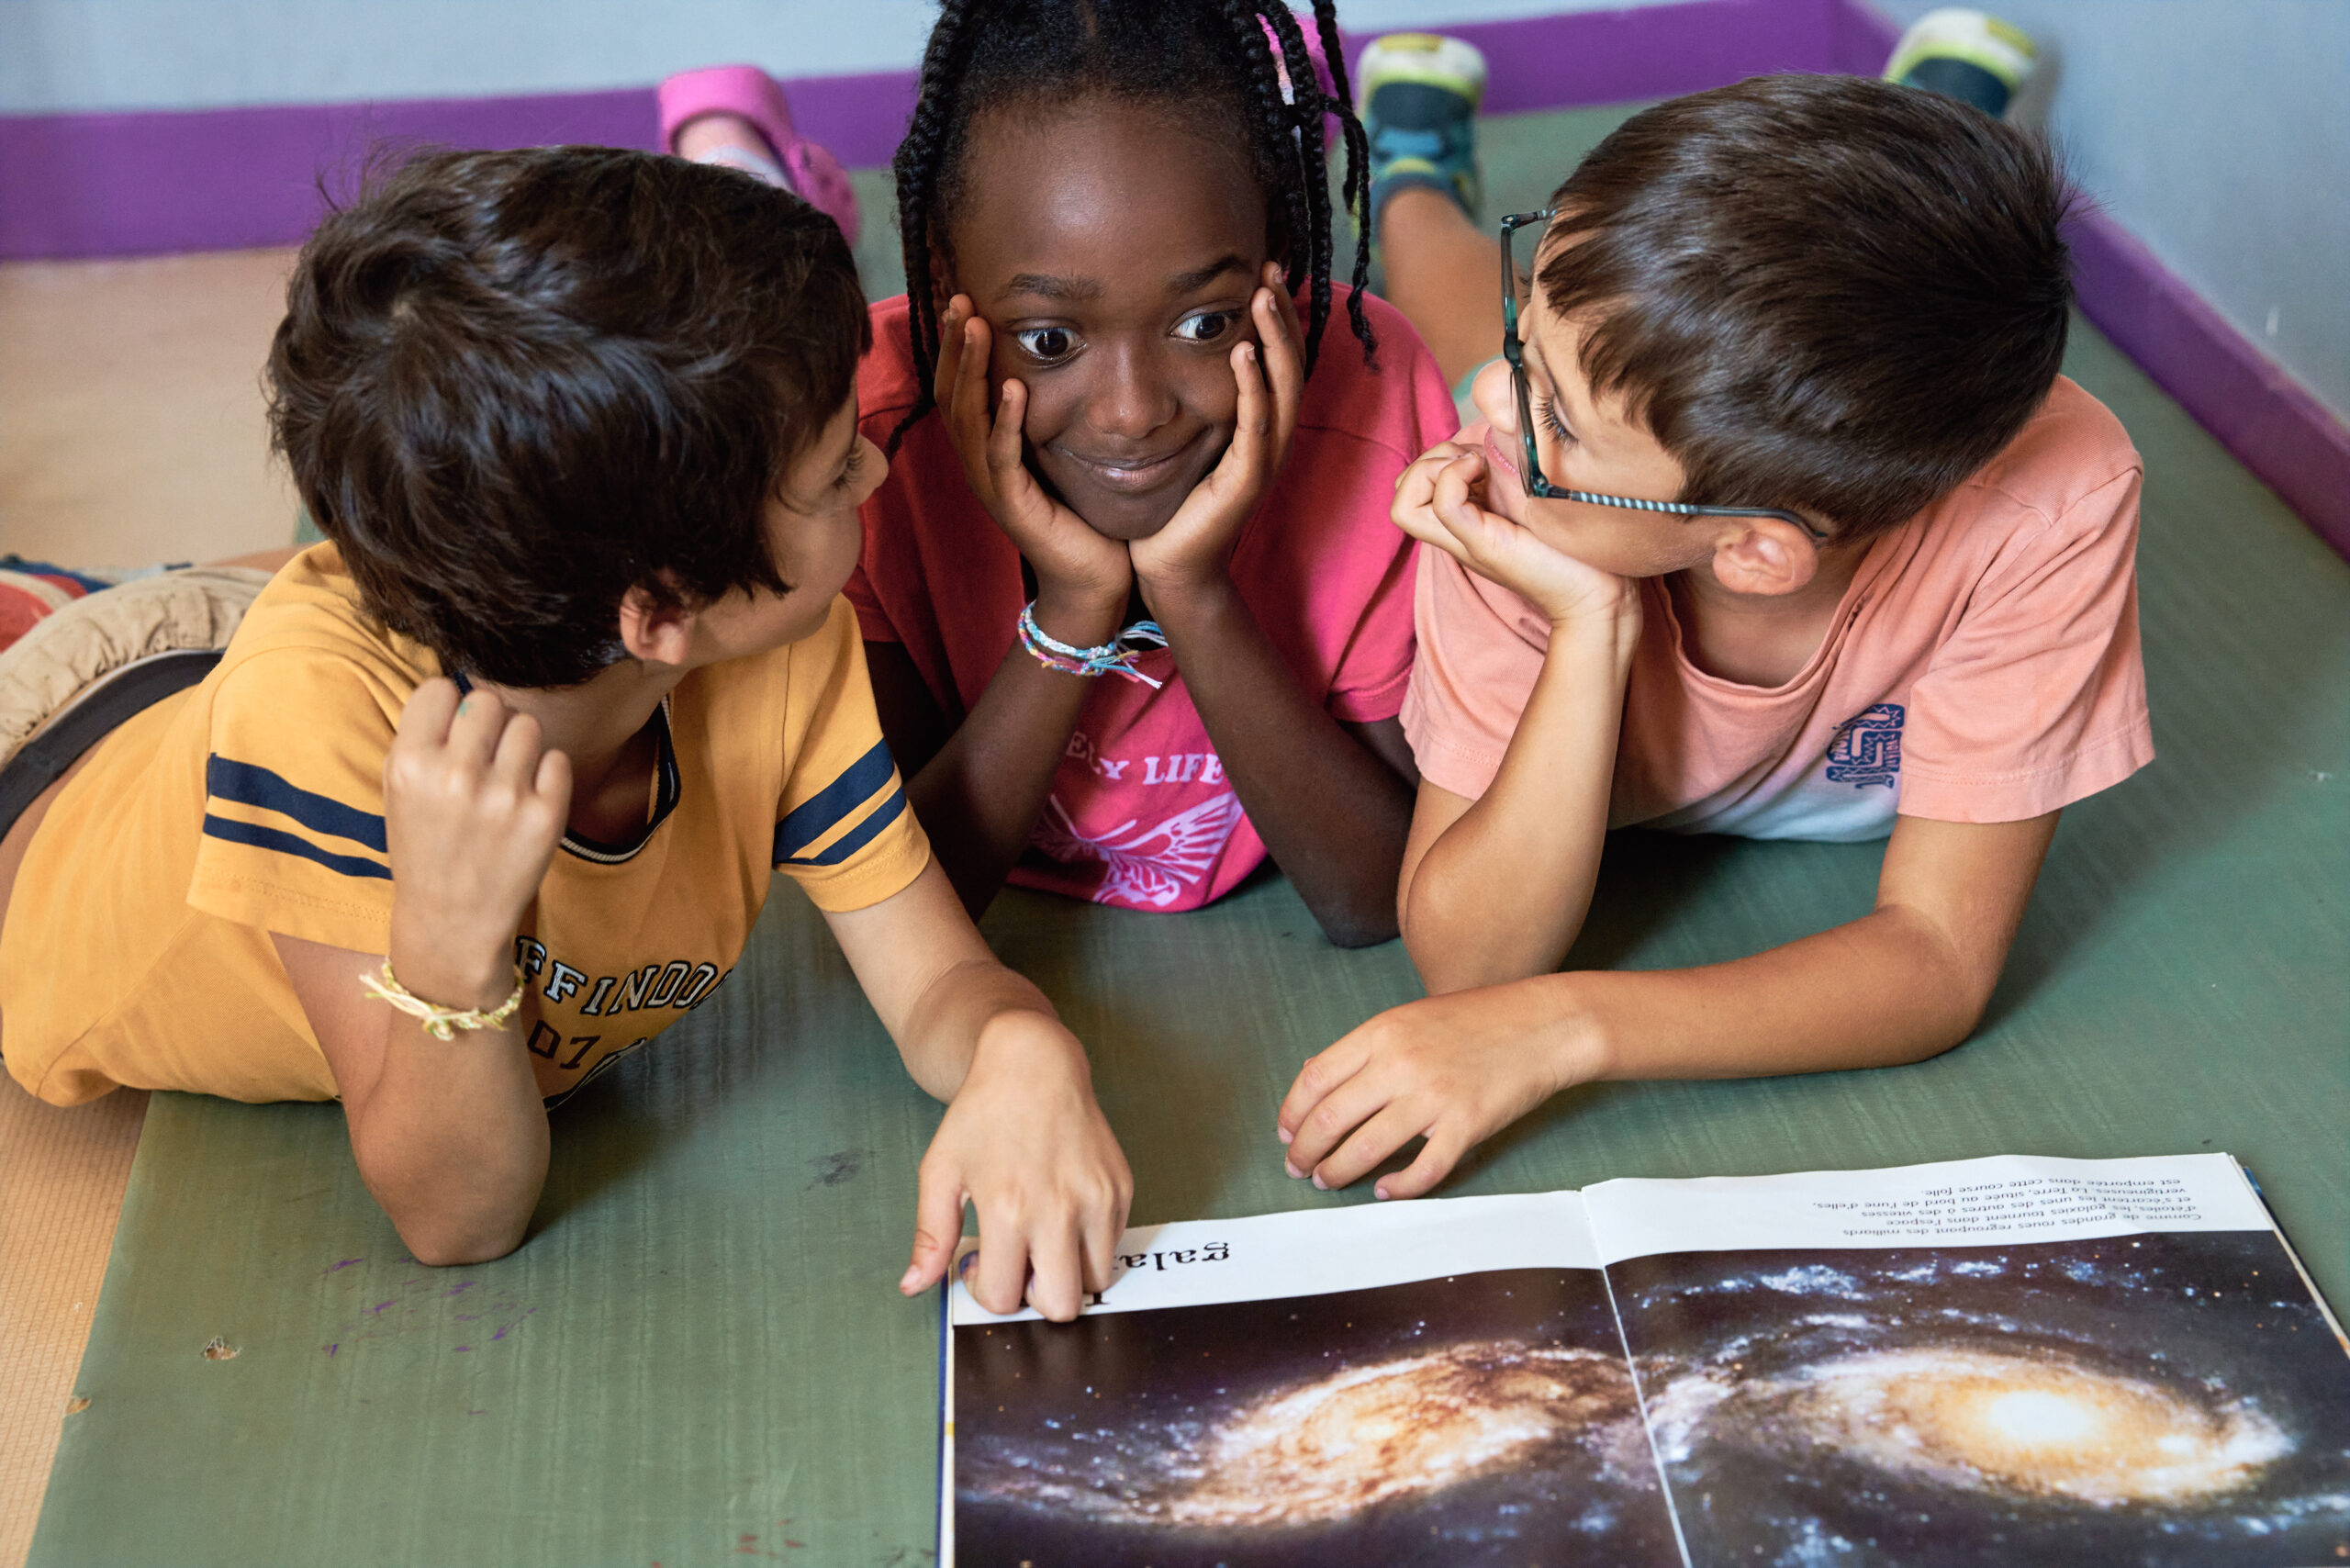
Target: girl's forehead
column 1134, row 158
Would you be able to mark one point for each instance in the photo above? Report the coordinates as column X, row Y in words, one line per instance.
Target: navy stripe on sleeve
column 856, row 837
column 250, row 785
column 829, row 807
column 261, row 837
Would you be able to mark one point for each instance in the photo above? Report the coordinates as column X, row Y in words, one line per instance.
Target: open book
column 1999, row 1362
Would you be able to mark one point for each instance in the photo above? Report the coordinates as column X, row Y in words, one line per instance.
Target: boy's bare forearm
column 450, row 1136
column 1883, row 990
column 1333, row 814
column 451, row 1140
column 1501, row 894
column 943, row 1030
column 979, row 796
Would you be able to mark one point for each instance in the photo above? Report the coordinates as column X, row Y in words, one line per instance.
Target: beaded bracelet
column 1116, row 656
column 441, row 1023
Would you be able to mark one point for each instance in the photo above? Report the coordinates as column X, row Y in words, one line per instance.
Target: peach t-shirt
column 1982, row 667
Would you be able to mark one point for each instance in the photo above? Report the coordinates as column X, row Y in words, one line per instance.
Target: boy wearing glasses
column 1777, row 521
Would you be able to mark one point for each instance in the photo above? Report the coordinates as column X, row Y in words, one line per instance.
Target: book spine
column 1648, row 1427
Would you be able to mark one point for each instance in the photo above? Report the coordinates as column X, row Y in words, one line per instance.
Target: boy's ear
column 655, row 632
column 1764, row 555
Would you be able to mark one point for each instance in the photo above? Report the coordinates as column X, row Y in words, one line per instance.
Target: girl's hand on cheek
column 474, row 806
column 1195, row 547
column 1441, row 502
column 1078, row 572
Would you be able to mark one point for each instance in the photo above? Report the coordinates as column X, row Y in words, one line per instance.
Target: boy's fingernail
column 907, row 1283
column 1380, row 1192
column 1282, row 1132
column 1320, row 1185
column 1293, row 1171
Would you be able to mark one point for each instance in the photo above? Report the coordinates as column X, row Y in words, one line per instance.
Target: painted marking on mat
column 425, row 1302
column 844, row 1165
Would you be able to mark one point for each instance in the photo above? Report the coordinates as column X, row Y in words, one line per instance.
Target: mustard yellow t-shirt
column 137, row 949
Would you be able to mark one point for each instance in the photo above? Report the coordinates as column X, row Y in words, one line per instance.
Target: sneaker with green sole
column 1420, row 94
column 1967, row 55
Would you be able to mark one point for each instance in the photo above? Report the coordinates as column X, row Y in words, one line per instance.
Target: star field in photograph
column 2171, row 1401
column 1486, row 1419
column 2153, row 1400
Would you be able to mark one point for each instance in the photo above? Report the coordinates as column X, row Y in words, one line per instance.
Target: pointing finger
column 1053, row 1287
column 1000, row 1279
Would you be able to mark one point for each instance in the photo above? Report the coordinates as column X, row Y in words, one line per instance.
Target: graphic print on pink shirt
column 1176, row 828
column 1141, row 813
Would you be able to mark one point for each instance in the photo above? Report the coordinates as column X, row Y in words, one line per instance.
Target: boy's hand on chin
column 1078, row 572
column 474, row 806
column 1442, row 501
column 1453, row 1069
column 1023, row 1143
column 1195, row 547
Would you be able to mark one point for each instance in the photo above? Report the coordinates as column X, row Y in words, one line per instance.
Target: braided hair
column 986, row 53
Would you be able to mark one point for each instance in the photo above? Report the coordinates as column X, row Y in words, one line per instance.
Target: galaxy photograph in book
column 2149, row 1400
column 1485, row 1418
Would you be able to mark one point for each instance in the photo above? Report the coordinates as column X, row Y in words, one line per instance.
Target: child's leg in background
column 1444, row 274
column 1420, row 95
column 736, row 116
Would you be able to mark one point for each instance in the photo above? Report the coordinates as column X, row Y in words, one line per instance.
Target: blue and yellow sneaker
column 1967, row 55
column 1420, row 94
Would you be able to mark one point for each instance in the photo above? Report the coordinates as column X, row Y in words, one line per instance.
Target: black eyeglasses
column 1514, row 351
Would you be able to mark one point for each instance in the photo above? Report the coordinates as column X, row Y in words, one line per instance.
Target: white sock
column 758, row 166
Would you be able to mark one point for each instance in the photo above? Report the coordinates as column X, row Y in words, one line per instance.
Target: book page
column 2029, row 1361
column 1320, row 1252
column 1436, row 1381
column 1962, row 1202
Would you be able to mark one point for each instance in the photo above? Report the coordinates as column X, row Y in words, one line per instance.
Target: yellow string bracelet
column 441, row 1023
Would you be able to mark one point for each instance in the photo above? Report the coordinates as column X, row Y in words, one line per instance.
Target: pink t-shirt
column 1982, row 667
column 1141, row 813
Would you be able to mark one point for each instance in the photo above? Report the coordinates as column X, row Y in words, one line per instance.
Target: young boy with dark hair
column 515, row 757
column 1779, row 521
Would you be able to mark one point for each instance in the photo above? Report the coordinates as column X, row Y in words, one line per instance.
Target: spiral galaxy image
column 1483, row 1420
column 2149, row 1400
column 2171, row 1401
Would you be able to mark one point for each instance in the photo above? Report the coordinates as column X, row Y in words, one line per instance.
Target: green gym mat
column 700, row 1356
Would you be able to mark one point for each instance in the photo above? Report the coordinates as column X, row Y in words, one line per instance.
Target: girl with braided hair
column 1136, row 614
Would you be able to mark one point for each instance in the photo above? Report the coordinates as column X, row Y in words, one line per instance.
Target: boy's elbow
column 456, row 1246
column 476, row 1229
column 1949, row 983
column 1963, row 1006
